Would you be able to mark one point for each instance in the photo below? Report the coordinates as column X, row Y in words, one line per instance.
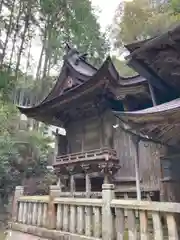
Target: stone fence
column 55, row 217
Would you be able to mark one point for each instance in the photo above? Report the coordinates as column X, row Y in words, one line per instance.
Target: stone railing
column 145, row 220
column 53, row 217
column 80, row 194
column 79, row 216
column 33, row 210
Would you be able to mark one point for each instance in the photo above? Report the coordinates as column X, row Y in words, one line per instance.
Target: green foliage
column 23, row 154
column 7, row 82
column 175, row 6
column 122, row 68
column 8, row 152
column 139, row 21
column 70, row 21
column 50, row 23
column 81, row 20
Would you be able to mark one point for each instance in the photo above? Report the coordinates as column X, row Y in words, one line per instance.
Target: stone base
column 15, row 235
column 43, row 233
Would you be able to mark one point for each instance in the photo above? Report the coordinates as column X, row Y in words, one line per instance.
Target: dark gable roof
column 135, row 45
column 85, row 75
column 160, row 56
column 74, row 66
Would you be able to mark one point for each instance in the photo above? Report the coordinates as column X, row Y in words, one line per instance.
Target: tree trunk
column 40, row 62
column 47, row 46
column 49, row 67
column 28, row 58
column 15, row 35
column 42, row 50
column 8, row 32
column 1, row 5
column 21, row 48
column 26, row 26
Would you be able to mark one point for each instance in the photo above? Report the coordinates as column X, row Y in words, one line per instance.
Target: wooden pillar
column 107, row 131
column 88, row 185
column 56, row 150
column 86, row 168
column 70, row 170
column 106, row 178
column 170, row 181
column 72, row 184
column 83, row 136
column 152, row 93
column 106, row 169
column 101, row 131
column 136, row 140
column 59, row 184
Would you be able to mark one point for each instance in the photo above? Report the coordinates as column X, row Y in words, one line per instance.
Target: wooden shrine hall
column 102, row 111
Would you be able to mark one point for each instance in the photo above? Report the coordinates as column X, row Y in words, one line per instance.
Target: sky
column 106, row 14
column 107, row 9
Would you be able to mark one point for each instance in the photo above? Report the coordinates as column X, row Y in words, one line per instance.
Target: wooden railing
column 106, row 218
column 103, row 153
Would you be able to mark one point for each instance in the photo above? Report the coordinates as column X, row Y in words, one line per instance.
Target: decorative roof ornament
column 69, row 82
column 69, row 51
column 83, row 56
column 67, row 48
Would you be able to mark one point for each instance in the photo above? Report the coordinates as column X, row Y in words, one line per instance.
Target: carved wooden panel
column 69, row 82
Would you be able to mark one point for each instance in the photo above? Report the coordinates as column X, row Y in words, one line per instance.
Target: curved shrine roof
column 160, row 122
column 83, row 78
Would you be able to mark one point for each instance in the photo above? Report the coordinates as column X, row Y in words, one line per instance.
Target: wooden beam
column 136, row 163
column 88, row 184
column 152, row 93
column 151, row 77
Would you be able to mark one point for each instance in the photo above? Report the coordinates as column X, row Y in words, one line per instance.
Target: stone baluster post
column 54, row 192
column 107, row 215
column 19, row 191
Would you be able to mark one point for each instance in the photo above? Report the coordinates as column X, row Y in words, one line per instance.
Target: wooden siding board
column 149, row 161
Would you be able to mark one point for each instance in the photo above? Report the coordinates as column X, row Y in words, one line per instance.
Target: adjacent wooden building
column 157, row 60
column 108, row 135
